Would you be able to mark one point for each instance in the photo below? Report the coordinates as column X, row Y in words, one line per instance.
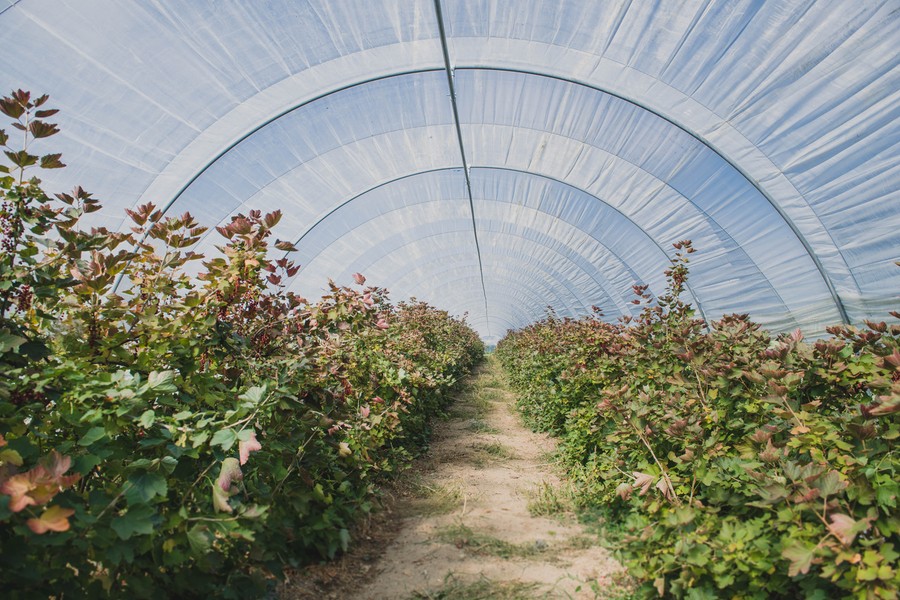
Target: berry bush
column 188, row 435
column 728, row 463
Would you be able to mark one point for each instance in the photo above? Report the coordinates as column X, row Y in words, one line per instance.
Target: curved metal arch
column 713, row 224
column 587, row 234
column 697, row 300
column 544, row 268
column 506, row 325
column 527, row 316
column 512, row 308
column 604, row 286
column 751, row 180
column 523, row 296
column 445, row 257
column 757, row 185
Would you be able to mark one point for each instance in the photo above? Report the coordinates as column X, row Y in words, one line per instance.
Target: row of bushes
column 194, row 434
column 728, row 462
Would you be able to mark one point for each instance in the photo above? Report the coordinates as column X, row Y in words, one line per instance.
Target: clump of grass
column 492, row 449
column 432, row 499
column 486, row 395
column 479, row 425
column 482, row 589
column 547, row 500
column 475, row 542
column 620, row 586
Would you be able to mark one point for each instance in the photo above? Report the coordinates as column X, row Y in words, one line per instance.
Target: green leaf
column 886, row 494
column 199, row 539
column 344, row 537
column 10, row 456
column 830, row 483
column 801, row 556
column 162, row 381
column 86, row 462
column 147, row 419
column 136, row 520
column 8, row 341
column 145, row 487
column 254, row 395
column 168, row 463
column 93, row 434
column 225, row 438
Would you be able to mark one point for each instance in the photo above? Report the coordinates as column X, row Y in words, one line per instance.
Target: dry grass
column 482, row 589
column 547, row 500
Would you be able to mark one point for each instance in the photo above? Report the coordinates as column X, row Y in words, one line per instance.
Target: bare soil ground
column 482, row 516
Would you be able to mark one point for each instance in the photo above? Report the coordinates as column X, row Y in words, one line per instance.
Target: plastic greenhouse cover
column 500, row 157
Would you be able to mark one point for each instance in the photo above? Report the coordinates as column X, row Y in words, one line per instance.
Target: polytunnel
column 497, row 157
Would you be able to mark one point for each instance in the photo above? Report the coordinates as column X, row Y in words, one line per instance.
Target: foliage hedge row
column 729, row 463
column 193, row 435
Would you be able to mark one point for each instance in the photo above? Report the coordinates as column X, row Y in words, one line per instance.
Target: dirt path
column 481, row 516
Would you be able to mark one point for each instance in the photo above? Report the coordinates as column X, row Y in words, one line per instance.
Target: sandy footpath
column 480, row 516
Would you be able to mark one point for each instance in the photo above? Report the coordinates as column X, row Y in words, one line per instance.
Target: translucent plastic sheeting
column 596, row 134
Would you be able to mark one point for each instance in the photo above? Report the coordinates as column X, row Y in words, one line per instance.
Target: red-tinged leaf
column 54, row 518
column 382, row 324
column 272, row 219
column 642, row 481
column 285, row 246
column 887, row 406
column 57, row 464
column 18, row 487
column 892, row 361
column 663, row 486
column 21, row 158
column 43, row 114
column 240, row 225
column 660, row 584
column 225, row 232
column 39, row 129
column 245, row 448
column 771, row 454
column 624, row 490
column 220, row 499
column 137, row 217
column 31, row 488
column 291, row 271
column 51, row 161
column 273, row 279
column 41, row 100
column 830, row 483
column 359, row 279
column 11, row 108
column 845, row 528
column 800, row 557
column 3, row 441
column 229, row 473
